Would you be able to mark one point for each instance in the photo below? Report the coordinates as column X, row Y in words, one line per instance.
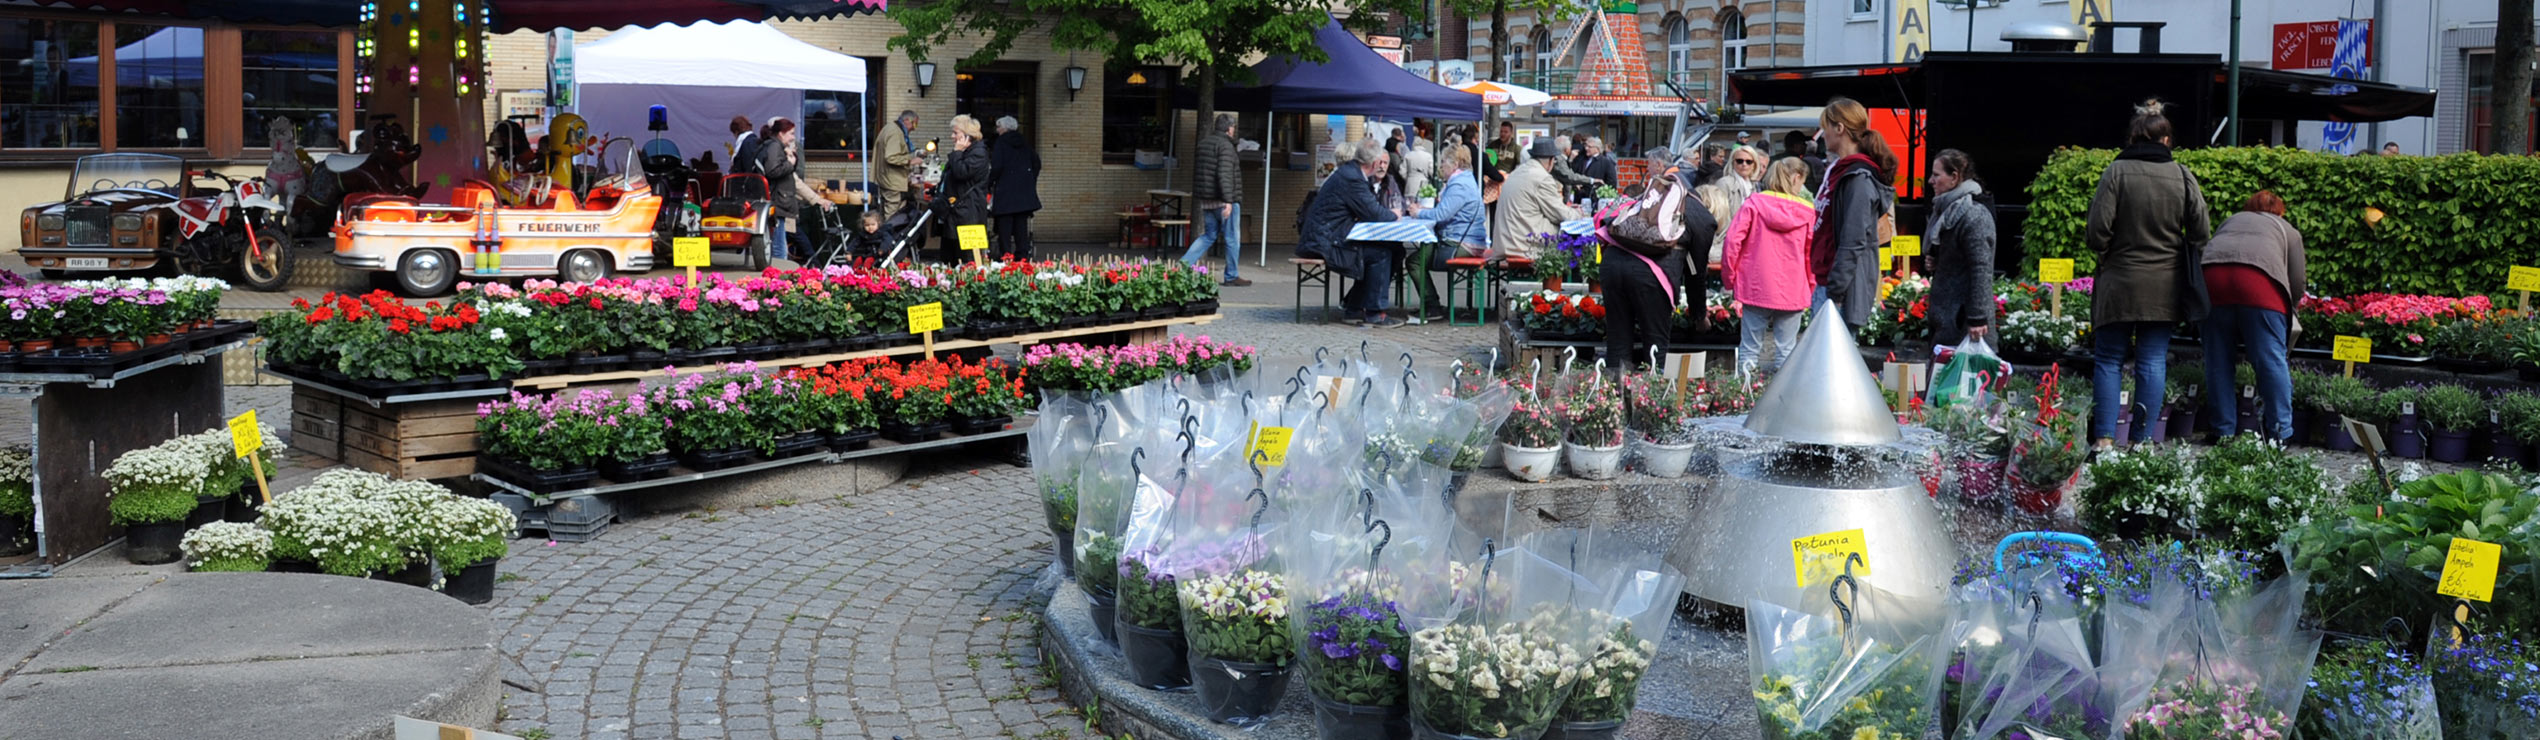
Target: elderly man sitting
column 1348, row 198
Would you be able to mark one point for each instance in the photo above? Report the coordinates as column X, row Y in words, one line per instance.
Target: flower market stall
column 96, row 358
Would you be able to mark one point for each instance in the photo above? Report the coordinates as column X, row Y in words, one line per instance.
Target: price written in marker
column 1271, row 443
column 1907, row 245
column 243, row 435
column 1826, row 554
column 2469, row 569
column 925, row 317
column 691, row 252
column 2351, row 349
column 2055, row 271
column 974, row 237
column 2523, row 278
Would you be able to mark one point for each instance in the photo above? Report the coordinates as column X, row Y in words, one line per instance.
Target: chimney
column 2043, row 36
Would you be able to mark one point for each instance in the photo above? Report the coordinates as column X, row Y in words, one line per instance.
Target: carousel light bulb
column 414, row 74
column 414, row 6
column 414, row 38
column 461, row 45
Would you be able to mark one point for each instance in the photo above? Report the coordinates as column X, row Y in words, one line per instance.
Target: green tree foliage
column 2450, row 225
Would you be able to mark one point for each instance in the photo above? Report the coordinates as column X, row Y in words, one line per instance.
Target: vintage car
column 131, row 211
column 479, row 235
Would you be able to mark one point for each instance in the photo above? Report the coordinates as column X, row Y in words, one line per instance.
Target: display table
column 83, row 422
column 685, row 475
column 427, row 435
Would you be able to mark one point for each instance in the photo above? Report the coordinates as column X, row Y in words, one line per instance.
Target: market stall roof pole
column 2231, row 90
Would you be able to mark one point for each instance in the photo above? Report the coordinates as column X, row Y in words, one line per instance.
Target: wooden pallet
column 433, row 439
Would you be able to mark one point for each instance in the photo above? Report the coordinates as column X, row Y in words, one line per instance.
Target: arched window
column 1541, row 42
column 1679, row 47
column 1732, row 40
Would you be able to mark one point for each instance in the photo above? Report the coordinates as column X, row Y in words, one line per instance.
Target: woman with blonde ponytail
column 1851, row 206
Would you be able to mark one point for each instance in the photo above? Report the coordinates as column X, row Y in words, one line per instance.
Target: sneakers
column 1383, row 322
column 1236, row 282
column 1353, row 320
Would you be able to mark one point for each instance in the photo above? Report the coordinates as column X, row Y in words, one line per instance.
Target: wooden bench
column 1310, row 271
column 1466, row 275
column 1176, row 233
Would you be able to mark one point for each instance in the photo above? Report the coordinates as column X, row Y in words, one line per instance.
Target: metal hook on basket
column 1490, row 555
column 1406, row 361
column 1134, row 456
column 1407, row 375
column 1102, row 415
column 1318, row 354
column 1189, row 442
column 1494, row 361
column 1367, row 504
column 1362, row 352
column 1321, row 400
column 2036, row 611
column 1258, row 509
column 2398, row 631
column 1569, row 356
column 1379, row 549
column 1835, row 591
column 1255, row 460
column 1185, row 403
column 1653, row 356
column 1365, row 390
column 2459, row 618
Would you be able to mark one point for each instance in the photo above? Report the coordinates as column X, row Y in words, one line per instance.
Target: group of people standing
column 981, row 184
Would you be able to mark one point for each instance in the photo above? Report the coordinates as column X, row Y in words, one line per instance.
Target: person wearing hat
column 1529, row 205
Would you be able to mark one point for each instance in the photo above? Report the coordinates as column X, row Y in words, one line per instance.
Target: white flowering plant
column 17, row 481
column 1481, row 681
column 2043, row 331
column 351, row 522
column 155, row 484
column 1239, row 617
column 461, row 531
column 2145, row 484
column 228, row 547
column 1609, row 683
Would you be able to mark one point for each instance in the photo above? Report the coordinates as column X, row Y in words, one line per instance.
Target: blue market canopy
column 1355, row 82
column 508, row 15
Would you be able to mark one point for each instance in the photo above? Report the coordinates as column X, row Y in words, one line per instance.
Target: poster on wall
column 523, row 103
column 560, row 68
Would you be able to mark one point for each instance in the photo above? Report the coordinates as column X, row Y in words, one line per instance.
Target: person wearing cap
column 1529, row 205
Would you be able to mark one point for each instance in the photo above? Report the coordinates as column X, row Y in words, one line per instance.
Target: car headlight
column 49, row 222
column 127, row 222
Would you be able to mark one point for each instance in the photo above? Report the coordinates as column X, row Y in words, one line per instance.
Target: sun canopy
column 508, row 15
column 733, row 54
column 1355, row 82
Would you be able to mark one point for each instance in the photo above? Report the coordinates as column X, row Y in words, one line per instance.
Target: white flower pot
column 1664, row 461
column 1595, row 463
column 1530, row 463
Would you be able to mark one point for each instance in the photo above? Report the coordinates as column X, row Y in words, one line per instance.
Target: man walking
column 1217, row 189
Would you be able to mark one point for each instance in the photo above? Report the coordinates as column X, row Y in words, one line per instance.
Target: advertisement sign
column 2308, row 47
column 2346, row 62
column 560, row 68
column 1389, row 47
column 1595, row 107
column 1913, row 30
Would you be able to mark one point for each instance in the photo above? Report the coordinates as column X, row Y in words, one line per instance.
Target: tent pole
column 1269, row 140
column 864, row 133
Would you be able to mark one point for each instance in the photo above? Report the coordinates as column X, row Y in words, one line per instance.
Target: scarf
column 2146, row 151
column 1822, row 245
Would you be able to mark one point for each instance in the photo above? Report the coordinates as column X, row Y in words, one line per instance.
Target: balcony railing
column 1565, row 81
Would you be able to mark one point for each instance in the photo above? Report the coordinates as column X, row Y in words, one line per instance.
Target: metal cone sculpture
column 1823, row 394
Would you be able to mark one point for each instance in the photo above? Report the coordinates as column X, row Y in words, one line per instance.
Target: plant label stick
column 1908, row 247
column 923, row 320
column 2351, row 350
column 691, row 252
column 2055, row 273
column 2368, row 437
column 2522, row 280
column 974, row 239
column 246, row 439
column 2469, row 570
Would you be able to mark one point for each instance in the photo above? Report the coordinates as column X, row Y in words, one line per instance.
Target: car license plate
column 88, row 263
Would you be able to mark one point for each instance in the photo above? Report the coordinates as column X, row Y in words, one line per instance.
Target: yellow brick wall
column 1078, row 192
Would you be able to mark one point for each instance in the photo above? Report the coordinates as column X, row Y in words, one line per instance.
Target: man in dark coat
column 1348, row 198
column 1016, row 192
column 1219, row 191
column 1598, row 165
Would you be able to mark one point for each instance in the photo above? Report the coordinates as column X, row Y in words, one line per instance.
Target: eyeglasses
column 1744, row 162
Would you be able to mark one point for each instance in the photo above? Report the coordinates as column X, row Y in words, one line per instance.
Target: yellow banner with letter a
column 1913, row 31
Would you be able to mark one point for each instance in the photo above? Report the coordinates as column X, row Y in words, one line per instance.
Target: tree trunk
column 2512, row 98
column 1498, row 60
column 1207, row 118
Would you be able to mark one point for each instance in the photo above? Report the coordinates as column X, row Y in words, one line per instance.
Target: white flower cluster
column 1617, row 661
column 230, row 541
column 1067, row 278
column 2043, row 331
column 360, row 517
column 1262, row 596
column 463, row 519
column 17, row 465
column 169, row 466
column 1512, row 659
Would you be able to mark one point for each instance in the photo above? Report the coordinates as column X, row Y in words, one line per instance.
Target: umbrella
column 1501, row 93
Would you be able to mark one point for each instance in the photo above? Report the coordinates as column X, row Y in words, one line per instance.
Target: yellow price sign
column 1907, row 245
column 2055, row 271
column 2351, row 349
column 2523, row 278
column 1271, row 443
column 925, row 317
column 974, row 237
column 2469, row 570
column 1887, row 256
column 1826, row 554
column 244, row 437
column 691, row 251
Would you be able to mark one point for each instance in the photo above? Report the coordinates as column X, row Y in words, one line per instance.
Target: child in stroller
column 836, row 244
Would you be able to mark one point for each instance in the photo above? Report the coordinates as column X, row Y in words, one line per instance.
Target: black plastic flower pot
column 208, row 509
column 711, row 354
column 2333, row 436
column 647, row 467
column 15, row 535
column 2406, row 441
column 1239, row 694
column 2501, row 445
column 417, row 574
column 852, row 439
column 1337, row 721
column 1065, row 553
column 1104, row 609
column 535, row 368
column 2447, row 446
column 799, row 444
column 707, row 460
column 473, row 584
column 1156, row 657
column 647, row 359
column 1158, row 312
column 244, row 505
column 286, row 565
column 980, row 425
column 1422, row 731
column 1606, row 730
column 905, row 432
column 154, row 542
column 537, row 481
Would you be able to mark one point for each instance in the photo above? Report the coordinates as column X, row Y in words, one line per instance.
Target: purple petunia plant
column 1354, row 649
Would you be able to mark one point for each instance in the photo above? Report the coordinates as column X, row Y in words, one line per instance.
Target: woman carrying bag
column 1959, row 241
column 2148, row 224
column 1642, row 276
column 2257, row 271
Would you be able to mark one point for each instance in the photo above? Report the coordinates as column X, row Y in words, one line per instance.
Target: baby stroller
column 908, row 225
column 828, row 232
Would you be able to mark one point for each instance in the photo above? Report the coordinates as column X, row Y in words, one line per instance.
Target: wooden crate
column 432, row 439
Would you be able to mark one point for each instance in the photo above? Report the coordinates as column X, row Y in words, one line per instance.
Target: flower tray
column 989, row 329
column 798, row 444
column 2471, row 367
column 535, row 368
column 709, row 354
column 1158, row 312
column 599, row 363
column 804, row 347
column 857, row 343
column 903, row 432
column 851, row 440
column 645, row 359
column 953, row 332
column 1072, row 322
column 707, row 460
column 536, row 481
column 91, row 360
column 895, row 339
column 1199, row 308
column 965, row 425
column 1117, row 317
column 757, row 351
column 644, row 468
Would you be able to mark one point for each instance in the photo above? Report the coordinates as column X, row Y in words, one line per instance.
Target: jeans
column 2148, row 344
column 1375, row 278
column 1753, row 323
column 2263, row 332
column 1219, row 229
column 780, row 239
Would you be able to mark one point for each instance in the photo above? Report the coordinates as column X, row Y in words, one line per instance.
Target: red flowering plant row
column 1548, row 313
column 542, row 325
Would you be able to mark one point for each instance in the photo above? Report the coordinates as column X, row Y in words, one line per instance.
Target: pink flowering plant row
column 1075, row 367
column 126, row 309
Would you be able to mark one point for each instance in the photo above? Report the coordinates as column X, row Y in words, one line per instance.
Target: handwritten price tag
column 974, row 237
column 244, row 438
column 1887, row 256
column 1826, row 554
column 2055, row 271
column 2351, row 349
column 925, row 317
column 1272, row 443
column 2469, row 570
column 2523, row 278
column 1907, row 245
column 691, row 251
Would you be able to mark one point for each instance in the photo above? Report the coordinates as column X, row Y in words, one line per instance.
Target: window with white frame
column 1865, row 7
column 1679, row 45
column 1732, row 40
column 1541, row 42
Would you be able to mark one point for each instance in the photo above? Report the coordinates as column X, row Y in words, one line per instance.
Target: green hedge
column 2451, row 225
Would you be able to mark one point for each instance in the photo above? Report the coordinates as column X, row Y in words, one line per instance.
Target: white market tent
column 706, row 73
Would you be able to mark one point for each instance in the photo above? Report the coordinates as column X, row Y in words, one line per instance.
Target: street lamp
column 1970, row 6
column 1075, row 81
column 925, row 77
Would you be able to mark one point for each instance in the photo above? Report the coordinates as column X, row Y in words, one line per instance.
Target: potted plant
column 17, row 499
column 2340, row 397
column 2474, row 700
column 915, row 405
column 228, row 547
column 2383, row 554
column 544, row 443
column 2371, row 689
column 2048, row 447
column 2136, row 494
column 984, row 396
column 346, row 522
column 1238, row 628
column 2452, row 413
column 1354, row 653
column 468, row 538
column 2518, row 419
column 636, row 450
column 2396, row 411
column 2250, row 489
column 1593, row 411
column 2307, row 386
column 152, row 489
column 2194, row 710
column 1608, row 686
column 1530, row 441
column 1662, row 422
column 1488, row 682
column 1150, row 623
column 2186, row 398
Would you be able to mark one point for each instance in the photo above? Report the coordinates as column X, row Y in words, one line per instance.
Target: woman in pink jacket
column 1765, row 263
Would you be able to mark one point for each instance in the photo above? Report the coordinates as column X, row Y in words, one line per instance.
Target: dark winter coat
column 1220, row 178
column 2147, row 214
column 1845, row 252
column 1018, row 175
column 1959, row 243
column 1345, row 201
column 779, row 165
column 966, row 177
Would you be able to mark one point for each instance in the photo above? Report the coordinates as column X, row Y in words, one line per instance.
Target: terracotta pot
column 6, row 346
column 35, row 345
column 1552, row 283
column 122, row 346
column 155, row 340
column 87, row 342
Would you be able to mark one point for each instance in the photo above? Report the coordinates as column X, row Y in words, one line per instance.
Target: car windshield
column 155, row 172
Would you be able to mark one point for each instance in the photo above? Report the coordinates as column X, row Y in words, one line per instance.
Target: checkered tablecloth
column 1410, row 230
column 1578, row 226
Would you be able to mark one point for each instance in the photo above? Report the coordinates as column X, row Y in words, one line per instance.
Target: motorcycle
column 233, row 230
column 378, row 170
